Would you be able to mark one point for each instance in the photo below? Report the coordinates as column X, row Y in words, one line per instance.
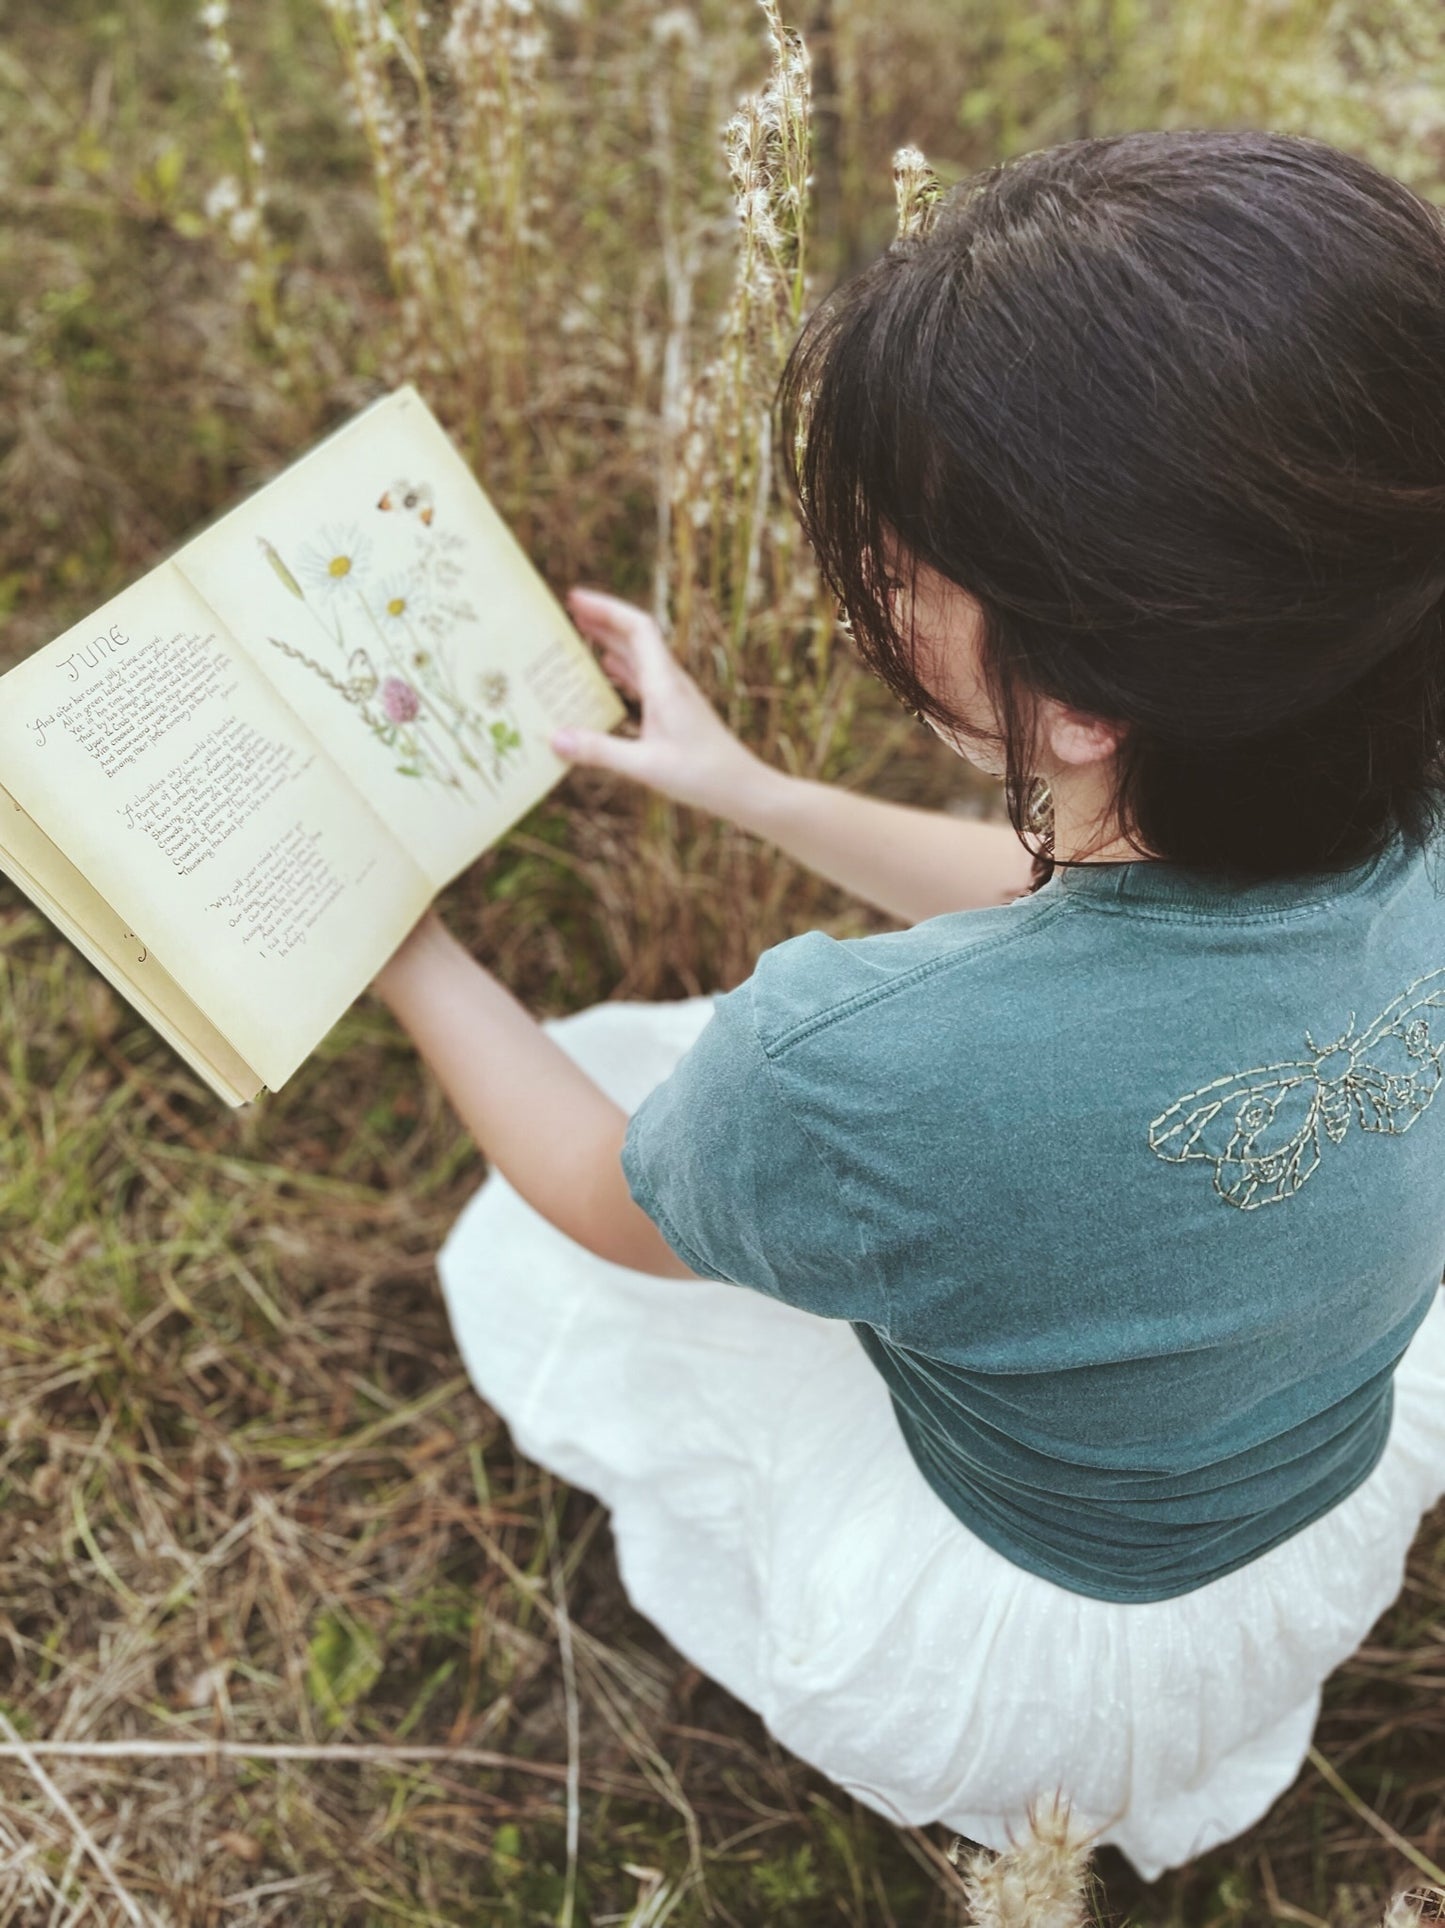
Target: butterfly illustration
column 1260, row 1129
column 363, row 680
column 415, row 498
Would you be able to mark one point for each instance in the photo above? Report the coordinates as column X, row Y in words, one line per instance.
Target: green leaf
column 170, row 163
column 343, row 1663
column 788, row 1879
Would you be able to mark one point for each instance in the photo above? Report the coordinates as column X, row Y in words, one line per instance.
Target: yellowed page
column 98, row 932
column 395, row 613
column 153, row 753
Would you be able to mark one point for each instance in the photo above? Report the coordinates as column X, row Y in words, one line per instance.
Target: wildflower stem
column 415, row 725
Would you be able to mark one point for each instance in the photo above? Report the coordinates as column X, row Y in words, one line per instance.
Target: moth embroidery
column 1260, row 1129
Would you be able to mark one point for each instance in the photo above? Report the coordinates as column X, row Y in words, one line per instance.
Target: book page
column 150, row 750
column 394, row 612
column 82, row 916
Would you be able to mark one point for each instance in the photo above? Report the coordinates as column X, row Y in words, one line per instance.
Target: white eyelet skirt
column 769, row 1520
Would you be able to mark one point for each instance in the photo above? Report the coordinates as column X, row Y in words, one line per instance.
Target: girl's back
column 1132, row 1190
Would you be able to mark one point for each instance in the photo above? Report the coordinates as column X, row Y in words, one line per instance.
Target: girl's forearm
column 537, row 1117
column 913, row 864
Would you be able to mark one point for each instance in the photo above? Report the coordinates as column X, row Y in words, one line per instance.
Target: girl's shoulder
column 814, row 981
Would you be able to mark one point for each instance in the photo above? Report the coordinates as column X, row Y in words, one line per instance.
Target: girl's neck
column 1080, row 794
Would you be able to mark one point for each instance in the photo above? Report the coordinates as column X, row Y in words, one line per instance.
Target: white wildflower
column 756, row 212
column 1406, row 1910
column 1039, row 1881
column 223, row 197
column 675, row 23
column 916, row 191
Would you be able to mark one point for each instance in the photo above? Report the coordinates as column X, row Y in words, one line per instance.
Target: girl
column 1087, row 1396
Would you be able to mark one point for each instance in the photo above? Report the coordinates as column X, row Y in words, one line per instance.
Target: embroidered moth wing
column 1398, row 1067
column 1260, row 1129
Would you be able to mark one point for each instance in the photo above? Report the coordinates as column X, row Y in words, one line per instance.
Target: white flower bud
column 223, row 197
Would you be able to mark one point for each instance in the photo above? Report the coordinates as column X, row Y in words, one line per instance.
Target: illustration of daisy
column 336, row 561
column 400, row 599
column 402, row 685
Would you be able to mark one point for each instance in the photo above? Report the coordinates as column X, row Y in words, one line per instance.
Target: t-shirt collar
column 1147, row 882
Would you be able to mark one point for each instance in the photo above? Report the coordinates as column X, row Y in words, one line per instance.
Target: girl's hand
column 684, row 749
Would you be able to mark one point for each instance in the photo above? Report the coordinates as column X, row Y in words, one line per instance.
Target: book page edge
column 145, row 1006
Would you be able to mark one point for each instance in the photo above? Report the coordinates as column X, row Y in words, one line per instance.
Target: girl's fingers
column 604, row 635
column 610, row 616
column 595, row 611
column 630, row 632
column 599, row 599
column 621, row 674
column 601, row 750
column 613, row 650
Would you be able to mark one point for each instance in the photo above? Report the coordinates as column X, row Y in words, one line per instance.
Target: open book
column 238, row 785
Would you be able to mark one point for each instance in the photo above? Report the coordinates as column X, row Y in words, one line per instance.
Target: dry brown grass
column 250, row 1505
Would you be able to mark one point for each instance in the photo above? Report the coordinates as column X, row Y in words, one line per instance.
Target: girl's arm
column 911, row 863
column 554, row 1135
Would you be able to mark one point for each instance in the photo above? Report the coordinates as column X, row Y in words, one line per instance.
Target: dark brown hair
column 1170, row 407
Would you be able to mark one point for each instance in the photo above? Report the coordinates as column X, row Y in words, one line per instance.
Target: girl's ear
column 1078, row 738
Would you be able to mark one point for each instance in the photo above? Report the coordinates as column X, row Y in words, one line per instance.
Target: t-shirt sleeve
column 726, row 1169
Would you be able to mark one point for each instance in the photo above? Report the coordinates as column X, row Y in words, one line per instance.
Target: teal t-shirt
column 1133, row 1190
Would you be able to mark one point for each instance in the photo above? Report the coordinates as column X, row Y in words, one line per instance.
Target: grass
column 249, row 1500
column 365, row 1665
